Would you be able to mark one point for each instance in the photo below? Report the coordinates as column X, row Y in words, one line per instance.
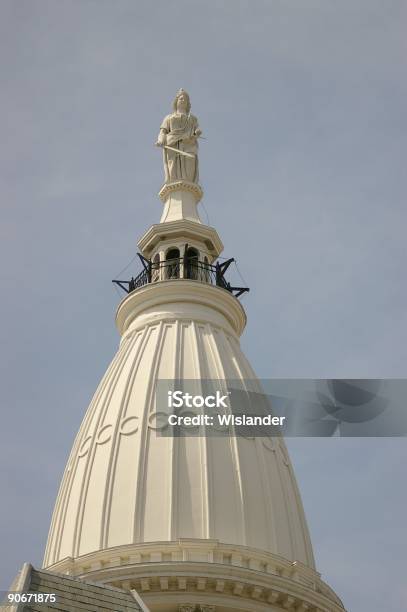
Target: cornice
column 234, row 573
column 158, row 301
column 188, row 230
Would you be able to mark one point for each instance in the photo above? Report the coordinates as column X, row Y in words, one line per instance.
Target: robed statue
column 178, row 137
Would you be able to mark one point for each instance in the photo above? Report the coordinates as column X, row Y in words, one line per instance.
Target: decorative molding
column 273, row 597
column 288, row 603
column 275, row 581
column 182, row 583
column 104, row 434
column 181, row 230
column 129, row 425
column 198, row 302
column 196, row 608
column 303, row 607
column 164, row 584
column 169, row 188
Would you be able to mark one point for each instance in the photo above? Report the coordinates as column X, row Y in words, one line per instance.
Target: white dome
column 193, row 523
column 125, row 485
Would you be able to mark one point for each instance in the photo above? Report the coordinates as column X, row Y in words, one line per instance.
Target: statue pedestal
column 180, row 199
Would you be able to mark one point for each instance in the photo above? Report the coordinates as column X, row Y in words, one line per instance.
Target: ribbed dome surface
column 123, row 484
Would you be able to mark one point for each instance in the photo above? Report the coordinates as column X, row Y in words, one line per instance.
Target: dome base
column 206, row 573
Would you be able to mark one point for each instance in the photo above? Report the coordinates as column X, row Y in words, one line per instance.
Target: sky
column 303, row 107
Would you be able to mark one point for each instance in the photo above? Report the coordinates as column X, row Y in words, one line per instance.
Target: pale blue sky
column 303, row 107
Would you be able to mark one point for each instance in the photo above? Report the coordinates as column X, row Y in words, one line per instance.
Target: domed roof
column 124, row 484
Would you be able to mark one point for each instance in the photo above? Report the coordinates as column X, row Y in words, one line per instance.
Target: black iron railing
column 189, row 268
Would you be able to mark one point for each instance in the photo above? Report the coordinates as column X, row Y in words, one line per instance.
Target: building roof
column 72, row 594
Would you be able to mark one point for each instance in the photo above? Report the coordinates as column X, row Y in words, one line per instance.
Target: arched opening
column 172, row 263
column 191, row 263
column 155, row 268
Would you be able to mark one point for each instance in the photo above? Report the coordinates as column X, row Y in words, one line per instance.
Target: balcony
column 181, row 268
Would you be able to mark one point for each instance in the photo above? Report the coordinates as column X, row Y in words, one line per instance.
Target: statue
column 178, row 137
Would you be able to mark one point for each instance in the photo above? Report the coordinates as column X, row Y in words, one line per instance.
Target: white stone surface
column 125, row 485
column 163, row 236
column 180, row 200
